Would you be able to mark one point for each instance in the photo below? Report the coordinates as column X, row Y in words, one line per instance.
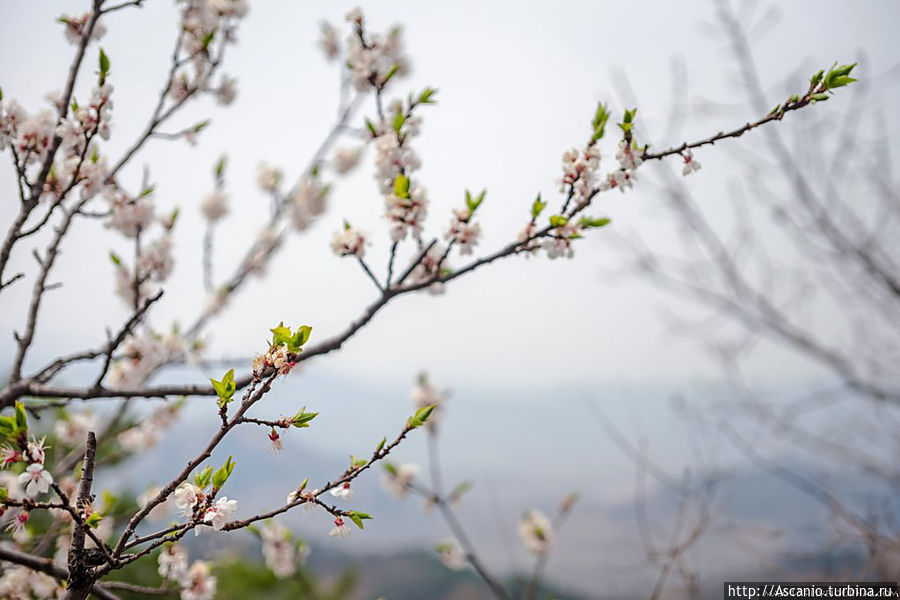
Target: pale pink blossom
column 341, row 528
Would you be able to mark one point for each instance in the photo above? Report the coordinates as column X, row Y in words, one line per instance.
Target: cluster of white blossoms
column 579, row 172
column 139, row 356
column 195, row 583
column 559, row 243
column 349, row 241
column 373, row 59
column 203, row 22
column 430, row 266
column 72, row 431
column 397, row 480
column 462, row 231
column 345, row 159
column 307, row 201
column 129, row 216
column 35, row 480
column 147, row 432
column 189, row 498
column 281, row 553
column 629, row 157
column 277, row 357
column 21, row 582
column 536, row 532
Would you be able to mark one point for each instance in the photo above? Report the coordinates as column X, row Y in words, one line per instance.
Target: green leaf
column 3, row 494
column 208, row 38
column 93, row 520
column 399, row 120
column 591, row 222
column 628, row 120
column 815, row 79
column 390, row 468
column 538, row 206
column 820, row 97
column 381, row 445
column 356, row 462
column 601, row 116
column 201, row 479
column 302, row 418
column 840, row 81
column 220, row 167
column 558, row 221
column 461, row 489
column 394, row 68
column 300, row 337
column 115, row 258
column 281, row 334
column 775, row 110
column 421, row 416
column 7, row 427
column 222, row 475
column 473, row 203
column 401, row 186
column 147, row 191
column 104, row 64
column 371, row 127
column 225, row 388
column 21, row 418
column 358, row 517
column 427, row 96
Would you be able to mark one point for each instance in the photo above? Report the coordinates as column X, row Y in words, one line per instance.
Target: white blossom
column 227, row 90
column 463, row 231
column 217, row 514
column 173, row 562
column 342, row 491
column 328, row 41
column 690, row 165
column 129, row 216
column 398, row 479
column 536, row 532
column 73, row 432
column 349, row 242
column 307, row 202
column 345, row 159
column 186, row 497
column 35, row 480
column 76, row 27
column 278, row 549
column 268, row 177
column 214, row 206
column 198, row 583
column 451, row 555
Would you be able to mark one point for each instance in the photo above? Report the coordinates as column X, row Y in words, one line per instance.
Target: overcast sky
column 518, row 82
